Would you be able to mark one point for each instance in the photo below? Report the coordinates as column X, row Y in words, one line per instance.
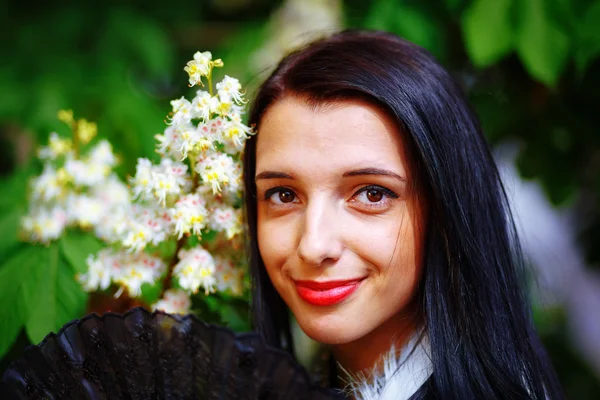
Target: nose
column 321, row 240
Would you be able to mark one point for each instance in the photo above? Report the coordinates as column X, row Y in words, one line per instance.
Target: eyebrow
column 356, row 172
column 273, row 175
column 374, row 171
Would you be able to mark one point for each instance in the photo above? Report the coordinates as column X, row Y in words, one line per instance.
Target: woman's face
column 339, row 226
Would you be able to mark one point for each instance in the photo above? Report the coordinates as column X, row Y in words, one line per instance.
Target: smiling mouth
column 326, row 293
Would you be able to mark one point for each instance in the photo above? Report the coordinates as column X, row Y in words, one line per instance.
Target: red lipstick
column 326, row 293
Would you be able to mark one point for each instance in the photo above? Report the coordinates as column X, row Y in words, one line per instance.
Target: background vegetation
column 530, row 67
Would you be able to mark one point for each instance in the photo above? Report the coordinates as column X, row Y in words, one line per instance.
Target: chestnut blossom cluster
column 76, row 188
column 229, row 277
column 194, row 189
column 129, row 270
column 174, row 301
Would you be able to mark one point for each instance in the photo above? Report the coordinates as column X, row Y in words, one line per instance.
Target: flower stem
column 168, row 280
column 192, row 158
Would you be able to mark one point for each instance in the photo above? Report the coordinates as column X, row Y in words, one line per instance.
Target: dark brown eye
column 374, row 195
column 286, row 196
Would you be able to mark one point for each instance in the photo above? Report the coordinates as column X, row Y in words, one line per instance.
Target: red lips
column 326, row 293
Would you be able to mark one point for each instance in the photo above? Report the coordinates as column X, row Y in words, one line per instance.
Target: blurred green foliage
column 531, row 69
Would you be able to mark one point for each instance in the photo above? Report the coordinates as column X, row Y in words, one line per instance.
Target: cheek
column 395, row 250
column 276, row 241
column 389, row 244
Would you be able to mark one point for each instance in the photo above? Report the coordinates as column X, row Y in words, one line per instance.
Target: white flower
column 230, row 89
column 116, row 200
column 130, row 271
column 56, row 147
column 112, row 227
column 216, row 126
column 219, row 169
column 214, row 200
column 226, row 219
column 43, row 225
column 99, row 272
column 169, row 178
column 179, row 141
column 138, row 269
column 102, row 154
column 112, row 192
column 146, row 225
column 224, row 107
column 182, row 111
column 84, row 210
column 195, row 269
column 190, row 137
column 175, row 301
column 189, row 215
column 137, row 236
column 234, row 135
column 164, row 185
column 198, row 67
column 234, row 186
column 170, row 142
column 142, row 182
column 203, row 105
column 49, row 185
column 206, row 137
column 87, row 172
column 229, row 278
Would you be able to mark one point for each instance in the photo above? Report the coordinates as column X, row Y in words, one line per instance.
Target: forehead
column 346, row 134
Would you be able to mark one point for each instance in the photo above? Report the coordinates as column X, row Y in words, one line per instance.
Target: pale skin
column 336, row 201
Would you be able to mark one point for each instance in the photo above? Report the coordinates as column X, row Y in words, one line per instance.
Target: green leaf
column 71, row 299
column 138, row 35
column 37, row 257
column 381, row 15
column 12, row 89
column 419, row 27
column 207, row 308
column 542, row 46
column 151, row 293
column 14, row 188
column 166, row 249
column 77, row 246
column 241, row 48
column 233, row 319
column 207, row 237
column 487, row 31
column 42, row 317
column 60, row 300
column 588, row 38
column 9, row 226
column 20, row 278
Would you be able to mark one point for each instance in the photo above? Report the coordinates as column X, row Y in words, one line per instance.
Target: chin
column 326, row 330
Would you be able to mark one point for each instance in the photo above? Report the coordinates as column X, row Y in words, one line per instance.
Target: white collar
column 402, row 375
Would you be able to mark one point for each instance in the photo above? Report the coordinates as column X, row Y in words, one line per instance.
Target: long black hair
column 471, row 297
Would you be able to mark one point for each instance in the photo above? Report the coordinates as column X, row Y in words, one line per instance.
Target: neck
column 363, row 354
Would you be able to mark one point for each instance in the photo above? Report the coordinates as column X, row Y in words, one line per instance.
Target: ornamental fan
column 140, row 355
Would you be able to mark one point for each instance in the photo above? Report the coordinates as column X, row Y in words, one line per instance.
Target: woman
column 377, row 217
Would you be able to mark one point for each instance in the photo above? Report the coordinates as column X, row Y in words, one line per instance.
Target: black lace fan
column 143, row 355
